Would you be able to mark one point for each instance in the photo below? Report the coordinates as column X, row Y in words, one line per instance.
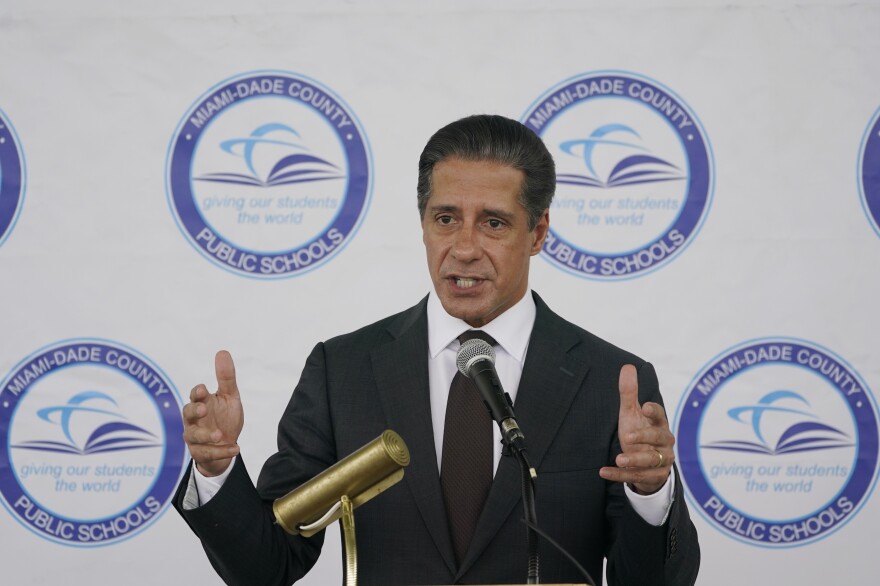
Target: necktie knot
column 477, row 335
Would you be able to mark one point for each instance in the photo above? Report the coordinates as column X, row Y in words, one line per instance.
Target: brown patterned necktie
column 466, row 464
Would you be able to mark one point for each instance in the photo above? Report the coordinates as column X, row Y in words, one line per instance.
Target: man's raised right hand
column 212, row 422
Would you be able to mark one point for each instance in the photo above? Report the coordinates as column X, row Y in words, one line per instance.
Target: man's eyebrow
column 443, row 208
column 504, row 215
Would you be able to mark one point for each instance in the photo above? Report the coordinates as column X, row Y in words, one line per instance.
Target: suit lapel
column 401, row 371
column 551, row 377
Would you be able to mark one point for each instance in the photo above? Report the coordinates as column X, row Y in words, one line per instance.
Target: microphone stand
column 529, row 476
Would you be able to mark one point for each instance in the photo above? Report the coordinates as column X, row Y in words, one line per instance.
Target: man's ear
column 540, row 232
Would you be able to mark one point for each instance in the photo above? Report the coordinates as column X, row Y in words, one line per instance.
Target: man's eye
column 445, row 220
column 495, row 223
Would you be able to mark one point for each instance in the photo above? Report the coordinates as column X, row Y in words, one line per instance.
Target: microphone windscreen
column 472, row 350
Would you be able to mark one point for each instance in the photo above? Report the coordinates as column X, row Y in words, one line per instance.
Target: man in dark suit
column 592, row 413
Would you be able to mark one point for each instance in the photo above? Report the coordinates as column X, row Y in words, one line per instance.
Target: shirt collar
column 511, row 329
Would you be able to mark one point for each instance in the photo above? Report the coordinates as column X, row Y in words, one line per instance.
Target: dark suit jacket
column 355, row 386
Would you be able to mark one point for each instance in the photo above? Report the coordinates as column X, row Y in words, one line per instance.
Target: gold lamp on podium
column 336, row 492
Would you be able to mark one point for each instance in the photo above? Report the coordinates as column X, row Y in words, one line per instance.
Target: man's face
column 477, row 238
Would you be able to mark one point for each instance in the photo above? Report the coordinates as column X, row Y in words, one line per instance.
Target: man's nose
column 467, row 246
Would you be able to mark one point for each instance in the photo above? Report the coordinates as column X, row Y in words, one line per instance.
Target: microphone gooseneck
column 476, row 360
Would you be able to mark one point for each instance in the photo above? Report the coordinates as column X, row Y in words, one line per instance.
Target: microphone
column 360, row 476
column 476, row 360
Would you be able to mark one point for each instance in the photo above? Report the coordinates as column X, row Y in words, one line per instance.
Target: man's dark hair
column 485, row 137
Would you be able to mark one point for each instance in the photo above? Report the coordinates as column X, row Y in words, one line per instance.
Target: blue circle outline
column 689, row 396
column 171, row 448
column 9, row 213
column 710, row 173
column 355, row 222
column 870, row 139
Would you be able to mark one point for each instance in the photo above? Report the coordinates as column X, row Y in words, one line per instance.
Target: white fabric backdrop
column 95, row 90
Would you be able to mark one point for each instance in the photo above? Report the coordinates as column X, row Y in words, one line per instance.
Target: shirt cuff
column 201, row 488
column 653, row 508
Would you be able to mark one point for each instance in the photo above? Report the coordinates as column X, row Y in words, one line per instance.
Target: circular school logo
column 777, row 442
column 869, row 172
column 634, row 174
column 91, row 446
column 12, row 177
column 269, row 174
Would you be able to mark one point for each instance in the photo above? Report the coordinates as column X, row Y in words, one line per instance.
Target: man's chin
column 470, row 310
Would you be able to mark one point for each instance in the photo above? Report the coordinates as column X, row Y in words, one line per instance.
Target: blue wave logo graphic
column 632, row 169
column 298, row 167
column 802, row 436
column 111, row 436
